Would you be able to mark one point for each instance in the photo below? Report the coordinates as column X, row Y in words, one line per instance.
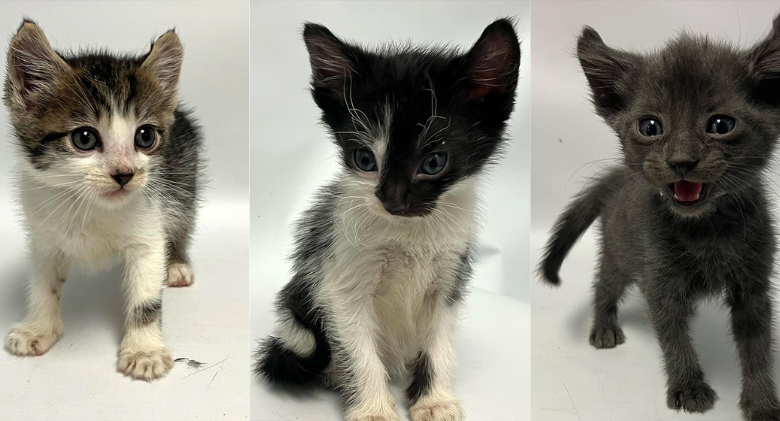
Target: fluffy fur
column 383, row 255
column 120, row 197
column 686, row 214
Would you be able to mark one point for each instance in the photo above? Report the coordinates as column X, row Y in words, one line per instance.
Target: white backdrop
column 292, row 155
column 572, row 380
column 209, row 322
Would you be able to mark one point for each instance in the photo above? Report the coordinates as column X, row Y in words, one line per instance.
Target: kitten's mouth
column 688, row 193
column 116, row 194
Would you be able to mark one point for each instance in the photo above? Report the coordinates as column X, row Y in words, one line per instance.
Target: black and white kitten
column 384, row 253
column 108, row 166
column 686, row 215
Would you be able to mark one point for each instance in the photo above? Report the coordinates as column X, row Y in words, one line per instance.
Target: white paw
column 373, row 414
column 180, row 275
column 31, row 339
column 145, row 365
column 377, row 417
column 447, row 410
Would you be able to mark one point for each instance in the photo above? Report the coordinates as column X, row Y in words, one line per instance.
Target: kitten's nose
column 394, row 208
column 683, row 167
column 123, row 179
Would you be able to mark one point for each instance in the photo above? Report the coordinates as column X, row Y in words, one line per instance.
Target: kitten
column 108, row 166
column 686, row 215
column 384, row 253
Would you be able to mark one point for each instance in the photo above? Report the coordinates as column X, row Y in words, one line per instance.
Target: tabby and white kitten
column 108, row 166
column 384, row 254
column 686, row 215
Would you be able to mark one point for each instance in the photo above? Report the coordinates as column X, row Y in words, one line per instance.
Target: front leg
column 362, row 376
column 430, row 389
column 751, row 325
column 43, row 324
column 671, row 309
column 143, row 355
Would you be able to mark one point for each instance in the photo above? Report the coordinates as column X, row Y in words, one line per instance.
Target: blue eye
column 364, row 160
column 145, row 137
column 433, row 163
column 720, row 124
column 650, row 127
column 84, row 139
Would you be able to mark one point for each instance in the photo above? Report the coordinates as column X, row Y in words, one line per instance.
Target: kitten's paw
column 607, row 337
column 759, row 408
column 449, row 410
column 25, row 339
column 389, row 417
column 770, row 415
column 699, row 398
column 180, row 275
column 373, row 415
column 145, row 365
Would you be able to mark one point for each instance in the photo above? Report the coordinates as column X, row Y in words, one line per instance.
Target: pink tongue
column 685, row 191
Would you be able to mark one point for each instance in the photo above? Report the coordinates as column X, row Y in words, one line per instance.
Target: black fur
column 417, row 102
column 273, row 362
column 282, row 366
column 356, row 87
column 421, row 378
column 462, row 277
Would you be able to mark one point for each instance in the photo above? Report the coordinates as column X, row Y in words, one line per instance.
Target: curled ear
column 763, row 67
column 33, row 66
column 164, row 61
column 494, row 61
column 332, row 64
column 608, row 71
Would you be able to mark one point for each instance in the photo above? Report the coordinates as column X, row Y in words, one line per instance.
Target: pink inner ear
column 494, row 62
column 32, row 64
column 165, row 60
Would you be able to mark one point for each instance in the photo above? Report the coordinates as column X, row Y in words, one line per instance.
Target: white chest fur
column 73, row 224
column 401, row 264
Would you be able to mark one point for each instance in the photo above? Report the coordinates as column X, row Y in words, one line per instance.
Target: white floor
column 492, row 379
column 77, row 379
column 574, row 381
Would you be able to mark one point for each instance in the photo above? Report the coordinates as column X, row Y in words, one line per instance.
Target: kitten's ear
column 764, row 67
column 494, row 61
column 164, row 61
column 33, row 66
column 606, row 69
column 330, row 60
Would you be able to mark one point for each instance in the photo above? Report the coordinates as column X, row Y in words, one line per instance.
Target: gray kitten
column 686, row 214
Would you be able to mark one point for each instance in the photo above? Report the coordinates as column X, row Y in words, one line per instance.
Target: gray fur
column 678, row 255
column 147, row 313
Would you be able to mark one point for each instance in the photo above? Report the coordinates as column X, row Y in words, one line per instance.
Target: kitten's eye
column 84, row 139
column 365, row 160
column 650, row 127
column 145, row 137
column 720, row 124
column 433, row 163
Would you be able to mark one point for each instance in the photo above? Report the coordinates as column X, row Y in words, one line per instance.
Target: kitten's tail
column 575, row 221
column 280, row 365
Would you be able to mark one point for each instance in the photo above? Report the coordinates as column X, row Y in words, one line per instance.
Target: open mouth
column 688, row 193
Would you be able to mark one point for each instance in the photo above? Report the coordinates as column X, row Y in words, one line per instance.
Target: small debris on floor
column 204, row 369
column 190, row 363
